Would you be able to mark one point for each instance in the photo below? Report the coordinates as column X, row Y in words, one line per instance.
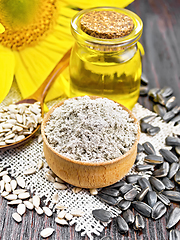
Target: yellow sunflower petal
column 2, row 29
column 7, row 63
column 94, row 3
column 34, row 65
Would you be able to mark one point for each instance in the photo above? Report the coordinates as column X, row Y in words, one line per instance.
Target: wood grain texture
column 161, row 64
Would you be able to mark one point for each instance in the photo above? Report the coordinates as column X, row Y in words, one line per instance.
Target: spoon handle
column 41, row 92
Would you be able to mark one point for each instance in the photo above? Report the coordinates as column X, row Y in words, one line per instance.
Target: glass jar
column 106, row 67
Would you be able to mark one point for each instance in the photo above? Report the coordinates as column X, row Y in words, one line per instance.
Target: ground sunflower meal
column 91, row 130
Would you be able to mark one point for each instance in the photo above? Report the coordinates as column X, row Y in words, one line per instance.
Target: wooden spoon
column 39, row 96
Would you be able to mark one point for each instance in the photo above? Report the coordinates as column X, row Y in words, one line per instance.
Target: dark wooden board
column 161, row 64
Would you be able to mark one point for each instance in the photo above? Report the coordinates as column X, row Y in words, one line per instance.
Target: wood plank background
column 161, row 64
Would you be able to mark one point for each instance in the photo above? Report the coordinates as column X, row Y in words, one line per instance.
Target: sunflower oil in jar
column 105, row 59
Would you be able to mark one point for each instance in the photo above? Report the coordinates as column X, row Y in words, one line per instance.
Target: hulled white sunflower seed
column 93, row 191
column 30, row 171
column 24, row 195
column 68, row 216
column 51, row 173
column 2, row 184
column 17, row 217
column 76, row 189
column 60, row 207
column 1, row 169
column 4, row 194
column 18, row 191
column 40, row 164
column 11, row 197
column 21, row 209
column 40, row 139
column 49, row 177
column 59, row 180
column 47, row 232
column 59, row 186
column 39, row 210
column 55, row 198
column 15, row 202
column 7, row 125
column 31, row 200
column 11, row 121
column 9, row 141
column 19, row 138
column 61, row 214
column 3, row 173
column 9, row 136
column 47, row 211
column 77, row 213
column 36, row 201
column 29, row 205
column 19, row 118
column 6, row 178
column 8, row 187
column 21, row 182
column 13, row 184
column 61, row 221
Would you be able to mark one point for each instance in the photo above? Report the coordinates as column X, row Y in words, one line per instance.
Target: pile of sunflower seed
column 18, row 121
column 165, row 104
column 149, row 196
column 14, row 191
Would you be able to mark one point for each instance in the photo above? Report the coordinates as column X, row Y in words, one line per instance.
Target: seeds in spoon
column 18, row 121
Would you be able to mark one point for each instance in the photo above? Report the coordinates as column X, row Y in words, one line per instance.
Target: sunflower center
column 26, row 22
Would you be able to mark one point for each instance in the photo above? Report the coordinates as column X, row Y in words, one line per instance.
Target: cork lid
column 106, row 24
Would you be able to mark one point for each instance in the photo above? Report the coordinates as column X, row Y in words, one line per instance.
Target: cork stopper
column 106, row 24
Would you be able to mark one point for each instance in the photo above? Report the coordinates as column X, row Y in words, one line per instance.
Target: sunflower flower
column 37, row 34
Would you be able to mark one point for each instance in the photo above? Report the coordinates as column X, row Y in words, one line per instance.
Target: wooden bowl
column 88, row 174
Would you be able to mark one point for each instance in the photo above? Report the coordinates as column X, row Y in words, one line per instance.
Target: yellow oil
column 113, row 75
